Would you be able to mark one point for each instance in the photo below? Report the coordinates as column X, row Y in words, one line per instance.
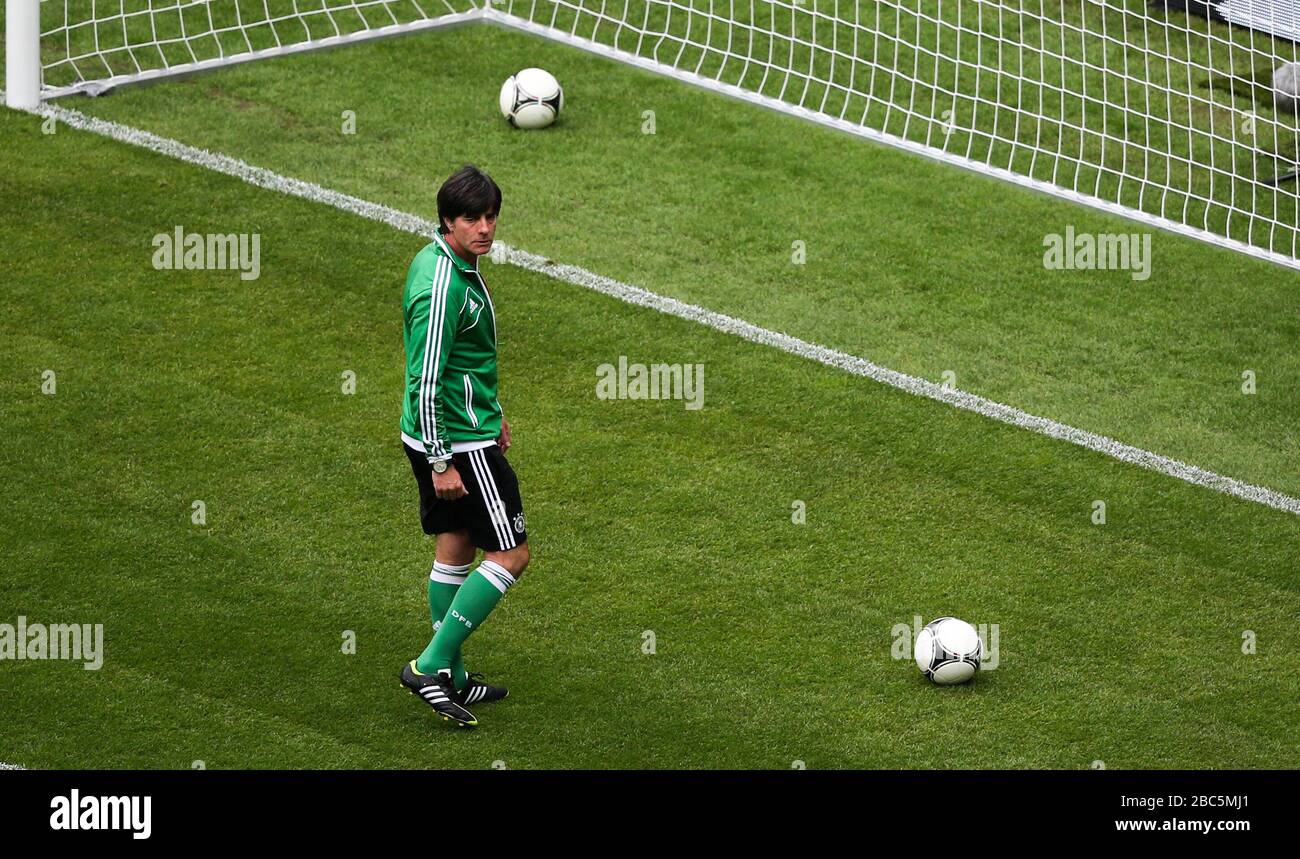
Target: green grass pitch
column 1120, row 642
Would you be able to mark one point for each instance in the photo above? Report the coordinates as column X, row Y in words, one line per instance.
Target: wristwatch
column 441, row 465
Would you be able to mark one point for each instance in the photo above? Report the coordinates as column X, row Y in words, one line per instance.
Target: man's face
column 474, row 234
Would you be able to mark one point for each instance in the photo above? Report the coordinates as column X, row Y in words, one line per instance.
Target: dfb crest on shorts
column 519, row 523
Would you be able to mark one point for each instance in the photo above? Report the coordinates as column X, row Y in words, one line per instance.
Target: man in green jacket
column 456, row 438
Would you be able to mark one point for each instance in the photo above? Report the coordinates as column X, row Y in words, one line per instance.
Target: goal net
column 1160, row 111
column 93, row 45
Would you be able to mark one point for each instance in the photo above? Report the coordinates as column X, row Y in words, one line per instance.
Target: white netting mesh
column 1280, row 17
column 84, row 41
column 1153, row 109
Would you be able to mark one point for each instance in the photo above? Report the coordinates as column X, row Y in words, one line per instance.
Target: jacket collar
column 456, row 260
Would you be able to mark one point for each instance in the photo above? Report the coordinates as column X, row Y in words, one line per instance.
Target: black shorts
column 492, row 512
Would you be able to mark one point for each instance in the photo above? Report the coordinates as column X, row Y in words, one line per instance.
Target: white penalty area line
column 503, row 253
column 5, row 766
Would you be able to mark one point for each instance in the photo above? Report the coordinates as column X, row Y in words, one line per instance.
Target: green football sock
column 444, row 581
column 471, row 606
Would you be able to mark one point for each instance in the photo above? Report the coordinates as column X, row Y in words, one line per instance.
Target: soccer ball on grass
column 531, row 98
column 948, row 651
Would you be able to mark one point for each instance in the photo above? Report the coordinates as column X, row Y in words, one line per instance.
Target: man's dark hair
column 469, row 191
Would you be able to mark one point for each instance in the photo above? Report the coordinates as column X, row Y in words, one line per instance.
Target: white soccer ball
column 531, row 99
column 948, row 651
column 1286, row 86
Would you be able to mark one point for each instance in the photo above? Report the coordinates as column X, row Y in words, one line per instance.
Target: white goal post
column 1163, row 111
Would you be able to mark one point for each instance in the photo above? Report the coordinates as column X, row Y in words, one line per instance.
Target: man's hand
column 447, row 485
column 503, row 440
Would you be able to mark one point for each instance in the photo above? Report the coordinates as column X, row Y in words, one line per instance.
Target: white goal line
column 263, row 178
